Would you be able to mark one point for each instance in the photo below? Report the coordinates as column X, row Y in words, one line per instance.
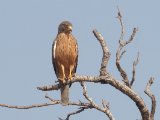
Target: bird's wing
column 53, row 57
column 76, row 61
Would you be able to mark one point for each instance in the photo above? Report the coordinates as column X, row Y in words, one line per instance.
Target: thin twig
column 29, row 106
column 81, row 109
column 122, row 53
column 135, row 62
column 79, row 103
column 122, row 25
column 151, row 95
column 105, row 104
column 51, row 99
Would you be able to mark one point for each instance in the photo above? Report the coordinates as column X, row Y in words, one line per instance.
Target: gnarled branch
column 106, row 53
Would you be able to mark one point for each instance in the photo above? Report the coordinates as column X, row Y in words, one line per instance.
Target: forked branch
column 122, row 44
column 151, row 95
column 94, row 105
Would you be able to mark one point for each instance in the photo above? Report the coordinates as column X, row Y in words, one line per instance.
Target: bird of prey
column 65, row 58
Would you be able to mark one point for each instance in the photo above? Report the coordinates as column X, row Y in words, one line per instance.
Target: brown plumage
column 65, row 57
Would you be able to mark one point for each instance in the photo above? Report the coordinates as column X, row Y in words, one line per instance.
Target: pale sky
column 27, row 30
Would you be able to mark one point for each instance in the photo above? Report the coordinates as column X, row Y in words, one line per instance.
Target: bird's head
column 65, row 27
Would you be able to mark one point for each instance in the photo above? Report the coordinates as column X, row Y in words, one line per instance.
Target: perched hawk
column 64, row 58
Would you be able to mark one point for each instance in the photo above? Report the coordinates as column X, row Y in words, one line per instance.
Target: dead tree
column 125, row 86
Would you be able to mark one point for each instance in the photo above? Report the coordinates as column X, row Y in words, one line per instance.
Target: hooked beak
column 70, row 28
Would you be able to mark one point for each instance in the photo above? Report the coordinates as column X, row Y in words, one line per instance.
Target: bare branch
column 106, row 53
column 85, row 93
column 119, row 54
column 53, row 102
column 132, row 36
column 151, row 95
column 122, row 72
column 105, row 104
column 122, row 25
column 92, row 103
column 74, row 79
column 50, row 87
column 30, row 106
column 123, row 43
column 81, row 104
column 134, row 69
column 81, row 109
column 122, row 53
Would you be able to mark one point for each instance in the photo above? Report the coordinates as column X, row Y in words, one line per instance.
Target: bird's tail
column 65, row 95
